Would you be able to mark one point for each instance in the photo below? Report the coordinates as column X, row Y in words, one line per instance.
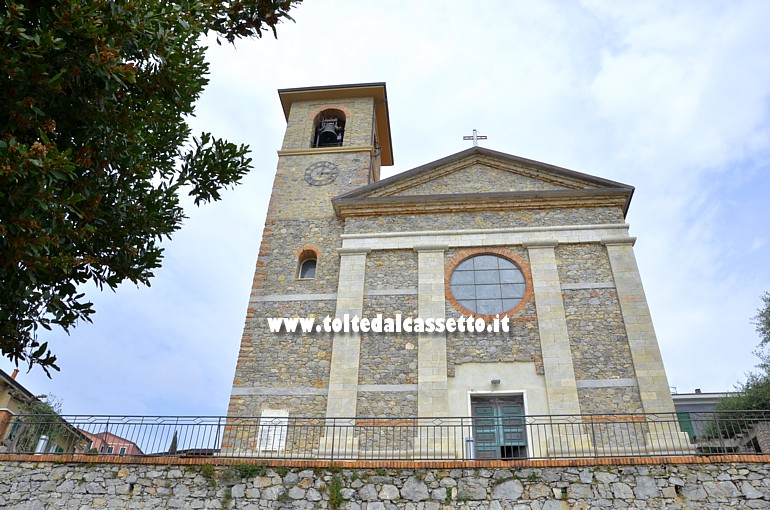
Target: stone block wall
column 389, row 358
column 597, row 334
column 478, row 178
column 274, row 359
column 396, row 404
column 583, row 263
column 277, row 266
column 293, row 198
column 485, row 220
column 521, row 343
column 391, row 270
column 601, row 355
column 359, row 113
column 580, row 486
column 388, row 364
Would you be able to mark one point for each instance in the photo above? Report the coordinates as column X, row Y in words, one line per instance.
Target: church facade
column 540, row 253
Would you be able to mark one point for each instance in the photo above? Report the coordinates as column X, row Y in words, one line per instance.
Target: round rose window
column 487, row 284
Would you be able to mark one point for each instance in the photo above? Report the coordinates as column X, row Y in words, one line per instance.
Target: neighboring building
column 13, row 397
column 478, row 233
column 721, row 432
column 19, row 432
column 107, row 443
column 695, row 410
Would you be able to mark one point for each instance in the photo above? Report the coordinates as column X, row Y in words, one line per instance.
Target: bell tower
column 336, row 140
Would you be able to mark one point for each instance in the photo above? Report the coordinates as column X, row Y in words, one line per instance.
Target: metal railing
column 462, row 438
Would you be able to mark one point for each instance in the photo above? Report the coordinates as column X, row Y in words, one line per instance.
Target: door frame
column 502, row 393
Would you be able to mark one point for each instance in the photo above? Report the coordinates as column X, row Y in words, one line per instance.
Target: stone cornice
column 431, row 247
column 548, row 243
column 487, row 231
column 346, row 207
column 353, row 251
column 483, row 237
column 610, row 241
column 325, row 150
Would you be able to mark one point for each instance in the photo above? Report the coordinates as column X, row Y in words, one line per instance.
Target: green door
column 685, row 424
column 498, row 427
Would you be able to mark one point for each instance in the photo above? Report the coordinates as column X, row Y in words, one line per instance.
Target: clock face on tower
column 321, row 173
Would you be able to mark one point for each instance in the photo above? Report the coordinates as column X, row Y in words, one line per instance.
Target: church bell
column 328, row 133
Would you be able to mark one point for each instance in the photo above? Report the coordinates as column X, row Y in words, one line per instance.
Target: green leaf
column 91, row 202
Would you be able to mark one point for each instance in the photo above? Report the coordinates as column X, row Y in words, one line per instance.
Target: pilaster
column 346, row 348
column 431, row 347
column 557, row 355
column 648, row 363
column 432, row 386
column 552, row 324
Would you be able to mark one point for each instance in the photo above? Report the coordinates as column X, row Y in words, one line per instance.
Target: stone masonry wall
column 358, row 124
column 293, row 198
column 601, row 355
column 379, row 404
column 485, row 220
column 291, row 370
column 479, row 179
column 41, row 485
column 521, row 343
column 274, row 359
column 389, row 358
column 268, row 363
column 278, row 263
column 391, row 269
column 597, row 335
column 300, row 406
column 583, row 263
column 621, row 399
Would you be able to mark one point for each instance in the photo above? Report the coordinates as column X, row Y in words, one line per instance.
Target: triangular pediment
column 474, row 176
column 478, row 177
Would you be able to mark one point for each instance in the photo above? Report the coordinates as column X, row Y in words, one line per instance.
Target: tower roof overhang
column 373, row 90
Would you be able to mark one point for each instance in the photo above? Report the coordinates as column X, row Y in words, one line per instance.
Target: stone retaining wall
column 696, row 484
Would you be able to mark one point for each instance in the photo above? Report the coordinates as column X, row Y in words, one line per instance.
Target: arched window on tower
column 329, row 128
column 307, row 263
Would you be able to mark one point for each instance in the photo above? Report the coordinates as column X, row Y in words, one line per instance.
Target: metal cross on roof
column 475, row 138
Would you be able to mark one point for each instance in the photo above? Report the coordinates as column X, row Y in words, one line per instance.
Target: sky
column 669, row 97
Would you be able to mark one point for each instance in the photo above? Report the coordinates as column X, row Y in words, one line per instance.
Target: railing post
column 720, row 434
column 216, row 437
column 104, row 437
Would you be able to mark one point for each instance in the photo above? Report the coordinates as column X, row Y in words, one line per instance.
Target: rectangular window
column 14, row 429
column 110, row 449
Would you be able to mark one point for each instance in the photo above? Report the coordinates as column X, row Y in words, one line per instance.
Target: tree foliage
column 754, row 393
column 95, row 148
column 762, row 321
column 40, row 416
